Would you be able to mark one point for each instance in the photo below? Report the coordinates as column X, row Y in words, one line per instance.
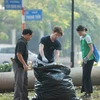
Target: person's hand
column 85, row 60
column 44, row 59
column 25, row 67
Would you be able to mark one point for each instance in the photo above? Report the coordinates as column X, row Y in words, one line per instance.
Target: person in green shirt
column 88, row 60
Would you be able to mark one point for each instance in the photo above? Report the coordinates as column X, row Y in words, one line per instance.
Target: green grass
column 95, row 95
column 6, row 96
column 9, row 95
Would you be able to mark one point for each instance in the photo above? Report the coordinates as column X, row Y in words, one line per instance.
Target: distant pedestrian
column 88, row 60
column 20, row 66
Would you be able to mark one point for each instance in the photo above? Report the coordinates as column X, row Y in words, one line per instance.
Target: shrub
column 5, row 67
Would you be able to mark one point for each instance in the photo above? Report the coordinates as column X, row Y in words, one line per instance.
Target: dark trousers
column 21, row 83
column 86, row 77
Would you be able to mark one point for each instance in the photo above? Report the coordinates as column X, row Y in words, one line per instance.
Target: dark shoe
column 83, row 95
column 86, row 95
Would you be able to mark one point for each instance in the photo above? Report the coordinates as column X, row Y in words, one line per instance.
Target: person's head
column 81, row 30
column 27, row 33
column 57, row 32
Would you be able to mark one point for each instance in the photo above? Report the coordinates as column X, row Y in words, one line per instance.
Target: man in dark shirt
column 20, row 66
column 49, row 47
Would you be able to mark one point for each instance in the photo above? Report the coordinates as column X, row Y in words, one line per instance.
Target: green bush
column 5, row 67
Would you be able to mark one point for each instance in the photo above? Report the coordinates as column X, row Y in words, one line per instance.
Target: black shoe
column 86, row 95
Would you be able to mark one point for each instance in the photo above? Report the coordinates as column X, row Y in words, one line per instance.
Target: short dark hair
column 27, row 31
column 58, row 30
column 81, row 28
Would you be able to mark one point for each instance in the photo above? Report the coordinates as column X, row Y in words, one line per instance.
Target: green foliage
column 3, row 36
column 89, row 17
column 55, row 12
column 5, row 67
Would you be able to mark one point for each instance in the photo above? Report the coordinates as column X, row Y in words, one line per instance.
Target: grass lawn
column 95, row 95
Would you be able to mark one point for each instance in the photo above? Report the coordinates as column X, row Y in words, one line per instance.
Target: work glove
column 44, row 59
column 85, row 60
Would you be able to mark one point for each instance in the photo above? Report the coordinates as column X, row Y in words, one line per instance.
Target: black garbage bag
column 54, row 83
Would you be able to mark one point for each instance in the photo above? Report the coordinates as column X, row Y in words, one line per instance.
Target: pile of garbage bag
column 54, row 83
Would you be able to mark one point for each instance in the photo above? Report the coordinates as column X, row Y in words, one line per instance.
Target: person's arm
column 89, row 42
column 91, row 50
column 20, row 58
column 41, row 51
column 57, row 53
